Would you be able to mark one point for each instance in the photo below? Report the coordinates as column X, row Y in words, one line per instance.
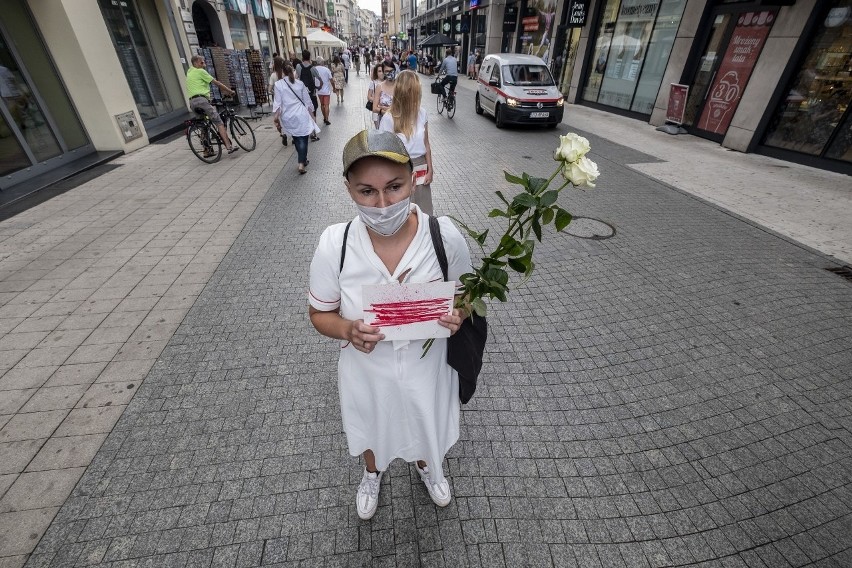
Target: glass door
column 136, row 54
column 708, row 66
column 743, row 35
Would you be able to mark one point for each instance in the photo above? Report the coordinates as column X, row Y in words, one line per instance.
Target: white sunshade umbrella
column 319, row 38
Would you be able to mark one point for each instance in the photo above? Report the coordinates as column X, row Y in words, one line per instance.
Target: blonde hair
column 406, row 103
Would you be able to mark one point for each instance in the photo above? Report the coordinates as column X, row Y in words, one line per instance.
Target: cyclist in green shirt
column 198, row 90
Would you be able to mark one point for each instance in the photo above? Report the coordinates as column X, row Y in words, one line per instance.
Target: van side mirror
column 494, row 82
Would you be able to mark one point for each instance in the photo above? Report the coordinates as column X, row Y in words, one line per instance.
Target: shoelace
column 372, row 486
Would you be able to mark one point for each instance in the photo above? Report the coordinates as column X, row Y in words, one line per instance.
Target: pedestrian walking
column 308, row 76
column 471, row 65
column 478, row 63
column 293, row 111
column 324, row 92
column 277, row 74
column 345, row 59
column 356, row 62
column 339, row 77
column 383, row 97
column 376, row 77
column 395, row 402
column 408, row 120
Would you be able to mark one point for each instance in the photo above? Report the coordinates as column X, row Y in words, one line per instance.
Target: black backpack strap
column 438, row 244
column 343, row 247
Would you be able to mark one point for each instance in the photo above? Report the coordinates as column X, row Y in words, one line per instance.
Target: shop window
column 814, row 117
column 138, row 48
column 632, row 50
column 38, row 122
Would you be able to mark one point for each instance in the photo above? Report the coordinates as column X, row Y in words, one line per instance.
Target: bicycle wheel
column 242, row 134
column 451, row 107
column 440, row 104
column 204, row 143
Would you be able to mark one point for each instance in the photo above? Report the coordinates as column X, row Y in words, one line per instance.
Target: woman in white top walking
column 409, row 121
column 276, row 75
column 292, row 110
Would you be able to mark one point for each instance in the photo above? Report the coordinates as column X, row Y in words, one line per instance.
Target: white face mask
column 386, row 221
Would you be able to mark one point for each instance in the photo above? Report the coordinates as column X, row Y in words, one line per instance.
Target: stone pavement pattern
column 93, row 284
column 678, row 394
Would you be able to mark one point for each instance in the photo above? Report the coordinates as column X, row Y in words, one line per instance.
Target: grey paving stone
column 677, row 394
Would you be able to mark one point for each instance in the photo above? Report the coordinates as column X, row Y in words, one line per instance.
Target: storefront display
column 38, row 122
column 814, row 117
column 239, row 31
column 631, row 52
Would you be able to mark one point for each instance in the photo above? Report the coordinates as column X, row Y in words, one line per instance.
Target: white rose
column 582, row 172
column 572, row 147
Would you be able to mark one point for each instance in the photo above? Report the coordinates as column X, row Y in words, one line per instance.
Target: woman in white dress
column 394, row 404
column 292, row 110
column 276, row 75
column 383, row 95
column 376, row 76
column 407, row 119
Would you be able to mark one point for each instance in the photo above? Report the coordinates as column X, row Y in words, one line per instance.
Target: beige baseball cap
column 376, row 143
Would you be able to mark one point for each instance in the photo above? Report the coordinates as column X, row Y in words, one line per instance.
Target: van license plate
column 539, row 114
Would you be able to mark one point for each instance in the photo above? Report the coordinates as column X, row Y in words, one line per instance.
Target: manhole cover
column 588, row 228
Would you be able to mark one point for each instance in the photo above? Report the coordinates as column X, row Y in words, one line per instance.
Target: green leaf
column 537, row 184
column 497, row 213
column 536, row 227
column 518, row 265
column 524, row 199
column 547, row 216
column 478, row 307
column 488, row 261
column 562, row 219
column 548, row 198
column 502, row 198
column 482, row 236
column 515, row 179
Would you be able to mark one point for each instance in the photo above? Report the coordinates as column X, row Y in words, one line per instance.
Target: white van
column 518, row 89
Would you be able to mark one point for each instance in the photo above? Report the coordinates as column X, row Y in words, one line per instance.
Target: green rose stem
column 527, row 211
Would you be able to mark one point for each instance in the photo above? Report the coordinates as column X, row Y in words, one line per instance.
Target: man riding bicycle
column 450, row 65
column 198, row 90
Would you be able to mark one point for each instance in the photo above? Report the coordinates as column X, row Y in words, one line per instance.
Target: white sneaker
column 367, row 498
column 439, row 492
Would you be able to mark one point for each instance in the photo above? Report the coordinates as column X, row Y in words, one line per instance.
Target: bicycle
column 203, row 136
column 447, row 101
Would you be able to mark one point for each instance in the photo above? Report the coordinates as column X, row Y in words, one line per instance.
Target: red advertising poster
column 677, row 103
column 736, row 67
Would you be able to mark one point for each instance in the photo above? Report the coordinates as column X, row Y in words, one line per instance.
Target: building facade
column 81, row 78
column 768, row 76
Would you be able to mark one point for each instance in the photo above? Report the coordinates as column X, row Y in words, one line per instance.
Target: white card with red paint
column 408, row 311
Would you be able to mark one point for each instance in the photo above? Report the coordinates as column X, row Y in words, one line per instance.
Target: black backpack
column 306, row 76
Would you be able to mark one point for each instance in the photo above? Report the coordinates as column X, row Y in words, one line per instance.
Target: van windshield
column 537, row 75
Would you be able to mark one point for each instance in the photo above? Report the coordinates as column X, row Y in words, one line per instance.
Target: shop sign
column 530, row 24
column 578, row 11
column 677, row 103
column 474, row 4
column 186, row 15
column 635, row 9
column 446, row 26
column 510, row 18
column 737, row 65
column 329, row 8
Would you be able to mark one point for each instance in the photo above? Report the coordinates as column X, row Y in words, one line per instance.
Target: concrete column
column 767, row 72
column 78, row 40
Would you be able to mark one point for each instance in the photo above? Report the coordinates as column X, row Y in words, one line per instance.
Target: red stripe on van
column 505, row 95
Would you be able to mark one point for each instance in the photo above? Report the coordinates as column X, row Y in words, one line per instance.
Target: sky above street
column 374, row 5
